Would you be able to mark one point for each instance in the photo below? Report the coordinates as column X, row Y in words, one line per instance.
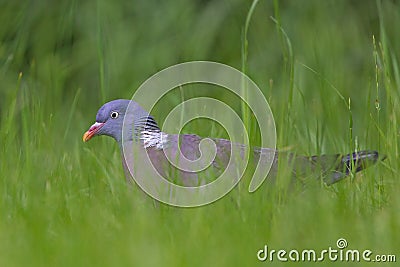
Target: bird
column 144, row 133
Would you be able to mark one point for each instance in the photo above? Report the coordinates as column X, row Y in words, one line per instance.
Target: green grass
column 330, row 70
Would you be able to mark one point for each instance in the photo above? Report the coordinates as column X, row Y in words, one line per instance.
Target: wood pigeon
column 143, row 132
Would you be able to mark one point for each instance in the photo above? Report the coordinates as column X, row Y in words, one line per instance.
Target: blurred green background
column 328, row 68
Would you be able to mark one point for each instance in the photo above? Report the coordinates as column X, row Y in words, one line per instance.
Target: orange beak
column 92, row 131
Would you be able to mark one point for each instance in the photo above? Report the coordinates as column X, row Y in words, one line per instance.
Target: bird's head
column 110, row 119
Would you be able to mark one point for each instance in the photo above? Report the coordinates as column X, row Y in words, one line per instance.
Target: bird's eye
column 114, row 115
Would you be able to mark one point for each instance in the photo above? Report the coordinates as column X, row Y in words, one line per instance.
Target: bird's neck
column 147, row 132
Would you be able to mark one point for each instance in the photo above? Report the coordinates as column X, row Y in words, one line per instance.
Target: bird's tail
column 343, row 165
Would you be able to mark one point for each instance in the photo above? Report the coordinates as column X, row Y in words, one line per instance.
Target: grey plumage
column 144, row 132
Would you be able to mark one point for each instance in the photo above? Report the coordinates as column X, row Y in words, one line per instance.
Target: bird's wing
column 184, row 151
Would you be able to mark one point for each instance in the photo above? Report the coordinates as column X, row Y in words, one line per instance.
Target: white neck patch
column 153, row 139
